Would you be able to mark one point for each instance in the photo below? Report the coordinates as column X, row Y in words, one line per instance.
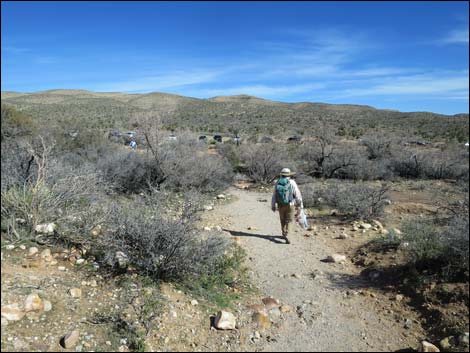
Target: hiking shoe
column 287, row 240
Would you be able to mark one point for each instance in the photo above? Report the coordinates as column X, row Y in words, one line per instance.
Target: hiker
column 287, row 197
column 133, row 145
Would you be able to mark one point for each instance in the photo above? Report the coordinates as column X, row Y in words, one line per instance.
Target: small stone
column 47, row 228
column 80, row 261
column 207, row 229
column 218, row 228
column 251, row 228
column 33, row 303
column 271, row 303
column 10, row 247
column 32, row 251
column 286, row 308
column 399, row 297
column 23, row 247
column 60, row 268
column 47, row 305
column 194, row 302
column 221, row 197
column 343, row 236
column 173, row 314
column 427, row 347
column 377, row 224
column 261, row 320
column 108, row 343
column 75, row 292
column 122, row 259
column 447, row 343
column 275, row 315
column 70, row 339
column 408, row 323
column 336, row 258
column 45, row 253
column 463, row 339
column 258, row 308
column 296, row 275
column 208, row 208
column 225, row 320
column 365, row 226
column 398, row 232
column 4, row 322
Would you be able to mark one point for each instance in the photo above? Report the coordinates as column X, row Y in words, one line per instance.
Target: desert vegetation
column 139, row 210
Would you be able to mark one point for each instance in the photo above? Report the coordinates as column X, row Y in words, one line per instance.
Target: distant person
column 287, row 198
column 133, row 145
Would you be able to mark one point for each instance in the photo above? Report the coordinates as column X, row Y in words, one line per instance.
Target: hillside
column 226, row 114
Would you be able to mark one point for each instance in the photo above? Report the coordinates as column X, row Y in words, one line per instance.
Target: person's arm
column 273, row 200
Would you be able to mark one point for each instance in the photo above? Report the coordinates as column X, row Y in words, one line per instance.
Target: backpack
column 284, row 193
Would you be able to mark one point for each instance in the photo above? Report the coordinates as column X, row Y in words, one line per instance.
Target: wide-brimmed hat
column 286, row 172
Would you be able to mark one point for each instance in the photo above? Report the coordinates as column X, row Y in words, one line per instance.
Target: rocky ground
column 313, row 295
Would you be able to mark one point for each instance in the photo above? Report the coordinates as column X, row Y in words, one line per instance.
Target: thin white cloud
column 177, row 78
column 458, row 36
column 425, row 84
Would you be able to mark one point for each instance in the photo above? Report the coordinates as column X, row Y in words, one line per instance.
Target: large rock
column 33, row 303
column 46, row 228
column 271, row 303
column 427, row 347
column 225, row 321
column 12, row 312
column 336, row 258
column 70, row 339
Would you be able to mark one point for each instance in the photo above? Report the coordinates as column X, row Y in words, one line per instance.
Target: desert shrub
column 378, row 146
column 15, row 123
column 311, row 195
column 263, row 162
column 232, row 153
column 161, row 247
column 441, row 249
column 17, row 163
column 128, row 171
column 190, row 166
column 356, row 200
column 54, row 193
column 448, row 164
column 365, row 169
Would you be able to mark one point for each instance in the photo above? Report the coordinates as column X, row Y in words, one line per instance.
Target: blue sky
column 409, row 56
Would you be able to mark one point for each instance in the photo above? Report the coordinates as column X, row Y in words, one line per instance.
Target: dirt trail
column 330, row 319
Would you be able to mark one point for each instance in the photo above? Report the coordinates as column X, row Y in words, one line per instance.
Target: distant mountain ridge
column 225, row 113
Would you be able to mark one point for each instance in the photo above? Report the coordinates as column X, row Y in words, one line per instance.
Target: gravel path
column 327, row 318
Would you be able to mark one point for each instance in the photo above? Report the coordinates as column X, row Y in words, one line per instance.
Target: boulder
column 70, row 339
column 46, row 228
column 12, row 312
column 225, row 321
column 427, row 347
column 33, row 303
